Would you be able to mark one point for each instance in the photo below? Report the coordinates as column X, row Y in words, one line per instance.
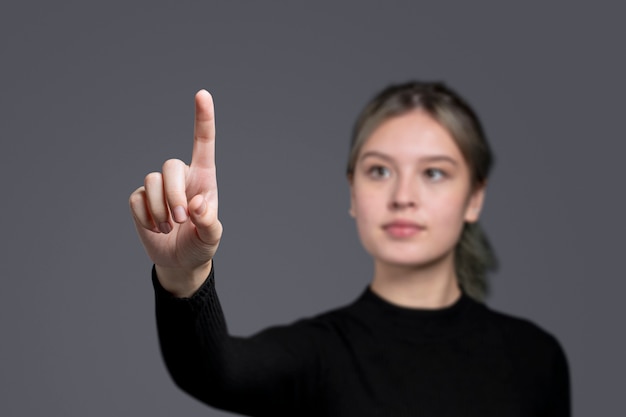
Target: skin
column 411, row 171
column 175, row 211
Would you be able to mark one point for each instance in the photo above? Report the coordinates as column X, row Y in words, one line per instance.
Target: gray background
column 94, row 95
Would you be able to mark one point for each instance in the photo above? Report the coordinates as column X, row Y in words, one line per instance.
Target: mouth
column 402, row 228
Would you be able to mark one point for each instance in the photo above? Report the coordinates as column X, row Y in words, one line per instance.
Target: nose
column 404, row 194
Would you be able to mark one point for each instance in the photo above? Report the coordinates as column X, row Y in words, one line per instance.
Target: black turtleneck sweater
column 370, row 358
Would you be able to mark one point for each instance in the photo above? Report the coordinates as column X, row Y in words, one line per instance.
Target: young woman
column 417, row 342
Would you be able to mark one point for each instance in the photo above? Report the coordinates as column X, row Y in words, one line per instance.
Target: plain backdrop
column 94, row 95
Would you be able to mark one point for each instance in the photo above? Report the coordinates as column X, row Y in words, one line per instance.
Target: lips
column 402, row 228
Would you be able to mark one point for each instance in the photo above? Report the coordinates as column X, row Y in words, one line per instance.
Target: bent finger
column 157, row 205
column 204, row 217
column 139, row 209
column 174, row 184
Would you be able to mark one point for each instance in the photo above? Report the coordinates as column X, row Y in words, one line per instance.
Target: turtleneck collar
column 446, row 320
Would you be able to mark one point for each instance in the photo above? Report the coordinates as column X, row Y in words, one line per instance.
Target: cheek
column 367, row 209
column 367, row 204
column 447, row 209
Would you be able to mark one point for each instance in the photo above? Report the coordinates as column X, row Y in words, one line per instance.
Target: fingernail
column 180, row 214
column 165, row 227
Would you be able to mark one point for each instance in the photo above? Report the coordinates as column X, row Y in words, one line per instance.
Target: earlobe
column 475, row 205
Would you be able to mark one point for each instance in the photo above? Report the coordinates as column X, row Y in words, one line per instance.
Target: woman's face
column 411, row 192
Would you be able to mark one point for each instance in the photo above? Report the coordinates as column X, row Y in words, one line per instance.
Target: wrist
column 180, row 282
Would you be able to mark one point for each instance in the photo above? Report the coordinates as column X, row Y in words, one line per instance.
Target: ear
column 475, row 204
column 351, row 210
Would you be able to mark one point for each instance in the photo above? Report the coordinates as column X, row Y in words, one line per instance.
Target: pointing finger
column 203, row 155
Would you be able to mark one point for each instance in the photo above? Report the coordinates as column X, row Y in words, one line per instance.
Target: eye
column 378, row 172
column 435, row 174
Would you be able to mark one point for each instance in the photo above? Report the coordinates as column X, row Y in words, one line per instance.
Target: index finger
column 203, row 155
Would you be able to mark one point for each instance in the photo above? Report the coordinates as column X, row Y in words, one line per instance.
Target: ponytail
column 474, row 258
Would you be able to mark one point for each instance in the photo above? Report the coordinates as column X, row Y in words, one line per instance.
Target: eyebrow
column 428, row 158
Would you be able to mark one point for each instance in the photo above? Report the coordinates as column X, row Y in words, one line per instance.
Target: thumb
column 204, row 216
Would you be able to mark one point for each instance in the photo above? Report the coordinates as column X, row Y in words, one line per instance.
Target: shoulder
column 525, row 333
column 528, row 343
column 538, row 359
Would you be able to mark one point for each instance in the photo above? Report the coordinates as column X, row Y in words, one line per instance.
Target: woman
column 417, row 342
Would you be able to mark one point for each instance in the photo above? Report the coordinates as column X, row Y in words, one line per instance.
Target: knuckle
column 172, row 163
column 136, row 197
column 152, row 178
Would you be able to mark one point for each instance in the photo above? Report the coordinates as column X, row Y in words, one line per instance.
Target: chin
column 409, row 260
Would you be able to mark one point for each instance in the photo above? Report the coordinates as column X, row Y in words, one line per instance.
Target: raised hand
column 175, row 211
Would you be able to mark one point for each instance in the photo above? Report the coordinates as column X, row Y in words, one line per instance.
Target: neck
column 432, row 286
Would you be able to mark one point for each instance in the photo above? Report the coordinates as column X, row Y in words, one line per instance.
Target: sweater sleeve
column 274, row 372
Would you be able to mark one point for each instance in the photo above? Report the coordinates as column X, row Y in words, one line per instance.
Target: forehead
column 412, row 134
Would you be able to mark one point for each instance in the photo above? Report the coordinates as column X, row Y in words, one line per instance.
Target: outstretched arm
column 276, row 372
column 175, row 214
